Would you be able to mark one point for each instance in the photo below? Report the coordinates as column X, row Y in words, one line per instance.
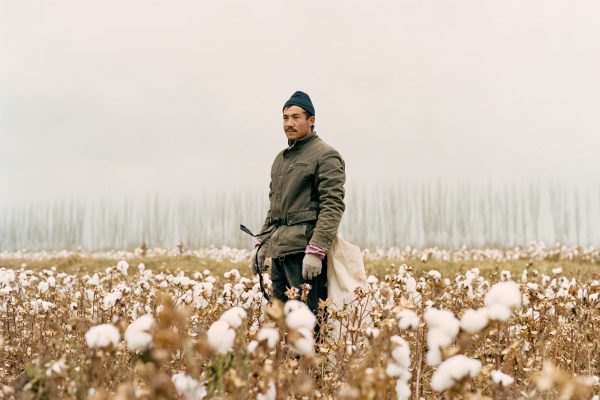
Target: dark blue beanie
column 301, row 99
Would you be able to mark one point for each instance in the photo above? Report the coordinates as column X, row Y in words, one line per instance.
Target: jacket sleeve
column 330, row 180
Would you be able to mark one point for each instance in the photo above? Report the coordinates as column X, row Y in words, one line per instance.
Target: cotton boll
column 434, row 356
column 188, row 387
column 304, row 344
column 102, row 336
column 401, row 356
column 453, row 370
column 393, row 370
column 234, row 317
column 442, row 320
column 137, row 336
column 504, row 293
column 301, row 318
column 411, row 284
column 473, row 321
column 498, row 312
column 271, row 335
column 402, row 390
column 292, row 305
column 436, row 275
column 43, row 287
column 123, row 266
column 407, row 319
column 271, row 392
column 221, row 336
column 500, row 378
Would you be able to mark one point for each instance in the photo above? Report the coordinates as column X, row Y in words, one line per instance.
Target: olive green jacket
column 306, row 196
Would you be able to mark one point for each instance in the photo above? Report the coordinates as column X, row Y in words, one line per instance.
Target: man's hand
column 311, row 266
column 261, row 260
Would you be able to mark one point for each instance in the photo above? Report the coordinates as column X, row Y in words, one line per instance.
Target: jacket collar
column 302, row 141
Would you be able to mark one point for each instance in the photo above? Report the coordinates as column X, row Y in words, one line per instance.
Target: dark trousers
column 287, row 272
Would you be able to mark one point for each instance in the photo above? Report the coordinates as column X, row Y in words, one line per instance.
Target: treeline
column 406, row 213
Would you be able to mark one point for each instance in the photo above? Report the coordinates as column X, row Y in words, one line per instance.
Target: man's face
column 295, row 123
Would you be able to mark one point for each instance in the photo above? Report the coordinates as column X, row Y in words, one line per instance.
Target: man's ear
column 312, row 120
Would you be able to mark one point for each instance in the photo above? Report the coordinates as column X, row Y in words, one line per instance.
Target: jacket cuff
column 317, row 251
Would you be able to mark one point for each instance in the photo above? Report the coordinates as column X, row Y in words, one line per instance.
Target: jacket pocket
column 292, row 238
column 295, row 217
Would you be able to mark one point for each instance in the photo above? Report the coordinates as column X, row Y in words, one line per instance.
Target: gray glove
column 311, row 266
column 261, row 260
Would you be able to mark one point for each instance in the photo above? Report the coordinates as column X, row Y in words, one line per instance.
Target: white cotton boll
column 373, row 332
column 443, row 320
column 473, row 321
column 437, row 338
column 436, row 275
column 234, row 317
column 500, row 378
column 305, row 344
column 292, row 305
column 220, row 337
column 271, row 335
column 94, row 280
column 401, row 355
column 557, row 271
column 123, row 266
column 411, row 284
column 402, row 390
column 43, row 287
column 271, row 392
column 434, row 356
column 252, row 345
column 393, row 370
column 57, row 368
column 102, row 336
column 301, row 318
column 136, row 334
column 498, row 312
column 188, row 387
column 505, row 275
column 141, row 267
column 453, row 370
column 407, row 319
column 504, row 293
column 111, row 299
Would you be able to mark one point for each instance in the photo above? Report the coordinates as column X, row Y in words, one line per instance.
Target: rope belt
column 267, row 234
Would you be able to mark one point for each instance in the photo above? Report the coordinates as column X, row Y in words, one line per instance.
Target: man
column 306, row 196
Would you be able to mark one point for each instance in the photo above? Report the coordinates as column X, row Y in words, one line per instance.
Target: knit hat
column 302, row 100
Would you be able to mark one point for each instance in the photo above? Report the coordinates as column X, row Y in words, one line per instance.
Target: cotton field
column 134, row 332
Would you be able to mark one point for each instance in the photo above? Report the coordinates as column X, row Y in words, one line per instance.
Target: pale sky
column 101, row 98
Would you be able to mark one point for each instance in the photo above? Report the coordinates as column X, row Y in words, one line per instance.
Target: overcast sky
column 101, row 98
